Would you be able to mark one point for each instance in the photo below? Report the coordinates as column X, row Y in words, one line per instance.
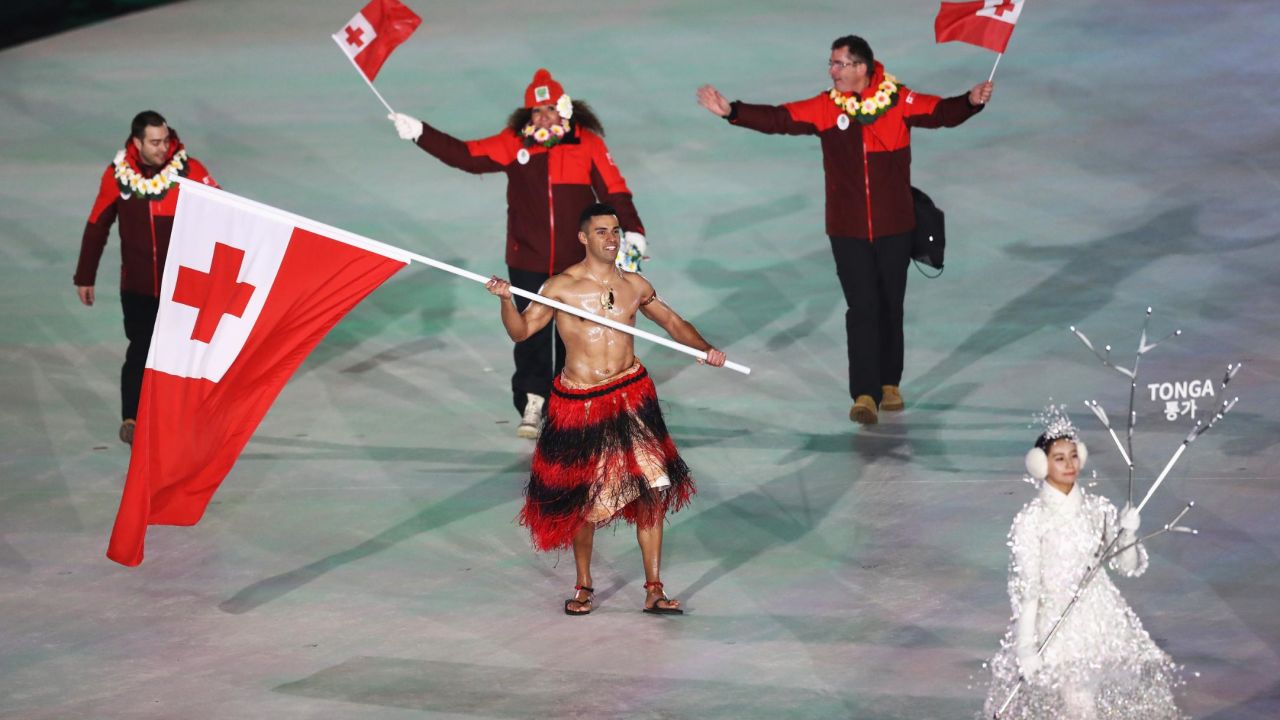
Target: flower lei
column 867, row 111
column 549, row 137
column 132, row 181
column 543, row 136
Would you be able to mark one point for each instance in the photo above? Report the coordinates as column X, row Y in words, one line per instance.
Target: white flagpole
column 989, row 77
column 700, row 354
column 398, row 253
column 367, row 81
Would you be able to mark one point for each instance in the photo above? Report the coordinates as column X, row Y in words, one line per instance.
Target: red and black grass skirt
column 602, row 452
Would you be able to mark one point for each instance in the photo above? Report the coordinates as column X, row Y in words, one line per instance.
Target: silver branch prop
column 1144, row 347
column 1196, row 431
column 1171, row 526
column 1106, row 422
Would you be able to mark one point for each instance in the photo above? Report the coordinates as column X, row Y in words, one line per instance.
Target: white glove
column 1129, row 519
column 408, row 127
column 1026, row 638
column 1028, row 662
column 631, row 251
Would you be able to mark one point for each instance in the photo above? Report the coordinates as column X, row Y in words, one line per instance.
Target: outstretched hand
column 715, row 358
column 498, row 286
column 407, row 126
column 711, row 99
column 980, row 93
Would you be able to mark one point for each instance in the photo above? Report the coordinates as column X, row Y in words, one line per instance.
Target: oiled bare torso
column 595, row 353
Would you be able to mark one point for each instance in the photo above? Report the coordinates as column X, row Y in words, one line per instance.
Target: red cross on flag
column 248, row 291
column 370, row 36
column 985, row 23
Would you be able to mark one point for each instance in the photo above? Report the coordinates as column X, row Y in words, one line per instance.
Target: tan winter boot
column 891, row 399
column 863, row 410
column 126, row 431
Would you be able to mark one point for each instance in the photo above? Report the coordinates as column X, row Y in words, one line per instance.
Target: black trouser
column 139, row 321
column 535, row 367
column 873, row 276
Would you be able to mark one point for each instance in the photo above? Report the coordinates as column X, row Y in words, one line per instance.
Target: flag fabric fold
column 374, row 32
column 985, row 23
column 248, row 291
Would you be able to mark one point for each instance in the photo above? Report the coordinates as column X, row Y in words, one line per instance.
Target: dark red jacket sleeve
column 97, row 229
column 611, row 187
column 931, row 111
column 789, row 119
column 475, row 156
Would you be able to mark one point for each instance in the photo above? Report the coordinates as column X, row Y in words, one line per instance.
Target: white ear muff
column 1082, row 451
column 1037, row 463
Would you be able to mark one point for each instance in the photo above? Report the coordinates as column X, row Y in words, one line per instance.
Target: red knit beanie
column 544, row 90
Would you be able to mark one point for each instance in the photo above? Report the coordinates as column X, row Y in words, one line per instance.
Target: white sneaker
column 531, row 423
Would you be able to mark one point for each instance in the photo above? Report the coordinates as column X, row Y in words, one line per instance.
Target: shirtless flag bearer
column 604, row 452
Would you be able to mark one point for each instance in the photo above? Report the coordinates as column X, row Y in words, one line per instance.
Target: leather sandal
column 591, row 596
column 655, row 609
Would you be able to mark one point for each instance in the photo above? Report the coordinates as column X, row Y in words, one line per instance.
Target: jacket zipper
column 155, row 258
column 866, row 185
column 551, row 217
column 551, row 261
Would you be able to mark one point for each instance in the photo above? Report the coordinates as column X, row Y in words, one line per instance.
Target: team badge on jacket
column 522, row 157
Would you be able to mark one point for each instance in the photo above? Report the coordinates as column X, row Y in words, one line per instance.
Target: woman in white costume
column 1101, row 663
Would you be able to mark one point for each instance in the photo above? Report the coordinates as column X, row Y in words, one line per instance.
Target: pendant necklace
column 606, row 296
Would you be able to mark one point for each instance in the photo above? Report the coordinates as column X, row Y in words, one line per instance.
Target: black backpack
column 929, row 239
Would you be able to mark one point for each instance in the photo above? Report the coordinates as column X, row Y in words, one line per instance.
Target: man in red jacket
column 553, row 153
column 138, row 189
column 864, row 123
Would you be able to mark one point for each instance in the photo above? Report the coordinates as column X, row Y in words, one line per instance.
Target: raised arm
column 789, row 119
column 680, row 330
column 931, row 111
column 520, row 325
column 474, row 156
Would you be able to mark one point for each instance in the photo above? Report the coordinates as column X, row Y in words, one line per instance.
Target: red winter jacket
column 867, row 167
column 546, row 192
column 145, row 222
